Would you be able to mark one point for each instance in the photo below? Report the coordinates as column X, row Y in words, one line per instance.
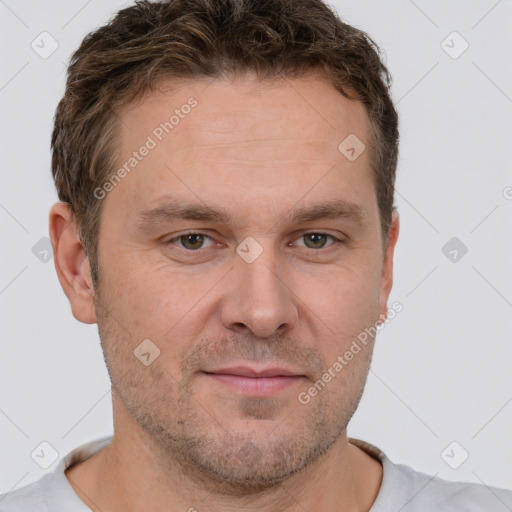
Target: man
column 226, row 174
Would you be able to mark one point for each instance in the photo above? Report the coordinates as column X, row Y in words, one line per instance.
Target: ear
column 71, row 263
column 386, row 282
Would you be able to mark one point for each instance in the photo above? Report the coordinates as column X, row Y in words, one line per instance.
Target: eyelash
column 332, row 237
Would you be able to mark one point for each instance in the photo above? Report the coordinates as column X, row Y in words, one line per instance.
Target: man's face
column 290, row 301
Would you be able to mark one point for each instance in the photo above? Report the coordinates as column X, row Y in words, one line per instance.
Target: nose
column 259, row 299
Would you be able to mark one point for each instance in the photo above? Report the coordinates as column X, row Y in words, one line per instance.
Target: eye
column 191, row 241
column 194, row 241
column 317, row 240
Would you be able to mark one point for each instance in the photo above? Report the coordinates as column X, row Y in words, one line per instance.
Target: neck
column 129, row 474
column 133, row 473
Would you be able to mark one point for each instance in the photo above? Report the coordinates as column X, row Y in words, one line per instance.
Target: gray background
column 441, row 370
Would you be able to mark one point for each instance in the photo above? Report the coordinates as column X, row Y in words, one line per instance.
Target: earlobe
column 387, row 266
column 71, row 263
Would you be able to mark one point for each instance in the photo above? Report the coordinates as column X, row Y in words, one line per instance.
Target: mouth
column 255, row 382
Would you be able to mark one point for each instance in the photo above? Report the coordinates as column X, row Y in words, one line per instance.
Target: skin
column 183, row 440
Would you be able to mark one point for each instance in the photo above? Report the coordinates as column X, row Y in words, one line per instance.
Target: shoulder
column 28, row 498
column 408, row 490
column 444, row 495
column 53, row 492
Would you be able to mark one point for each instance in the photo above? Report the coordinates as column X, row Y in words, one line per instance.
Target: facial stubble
column 185, row 429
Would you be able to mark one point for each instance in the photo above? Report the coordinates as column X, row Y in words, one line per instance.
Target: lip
column 255, row 382
column 247, row 371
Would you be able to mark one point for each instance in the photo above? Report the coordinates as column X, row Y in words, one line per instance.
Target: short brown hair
column 120, row 61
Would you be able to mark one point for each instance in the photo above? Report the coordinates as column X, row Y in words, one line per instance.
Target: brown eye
column 192, row 241
column 316, row 240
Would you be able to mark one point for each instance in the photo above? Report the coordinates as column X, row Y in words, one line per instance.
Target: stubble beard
column 210, row 452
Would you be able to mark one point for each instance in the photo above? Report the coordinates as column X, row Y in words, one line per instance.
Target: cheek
column 167, row 306
column 345, row 300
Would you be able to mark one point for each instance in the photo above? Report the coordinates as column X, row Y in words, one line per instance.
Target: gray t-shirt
column 403, row 489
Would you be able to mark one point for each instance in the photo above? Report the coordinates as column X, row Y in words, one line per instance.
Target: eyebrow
column 174, row 210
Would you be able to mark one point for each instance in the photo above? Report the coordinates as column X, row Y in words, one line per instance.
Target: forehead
column 246, row 109
column 243, row 137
